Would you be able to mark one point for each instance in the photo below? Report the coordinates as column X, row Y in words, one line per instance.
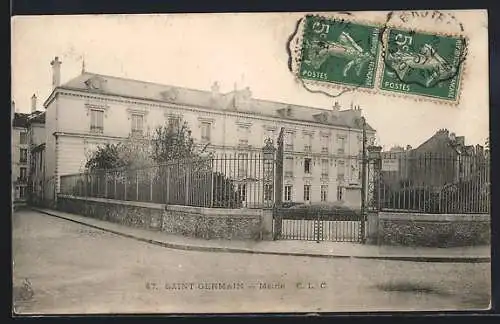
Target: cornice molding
column 206, row 120
column 97, row 106
column 133, row 111
column 193, row 108
column 244, row 123
column 325, row 133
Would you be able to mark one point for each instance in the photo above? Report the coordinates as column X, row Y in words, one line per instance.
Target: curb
column 175, row 246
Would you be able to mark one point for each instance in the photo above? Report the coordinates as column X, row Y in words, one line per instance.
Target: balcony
column 307, row 148
column 243, row 144
column 96, row 129
column 289, row 174
column 137, row 133
column 324, row 150
column 22, row 180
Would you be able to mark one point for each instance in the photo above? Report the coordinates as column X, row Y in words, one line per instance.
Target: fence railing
column 224, row 181
column 435, row 183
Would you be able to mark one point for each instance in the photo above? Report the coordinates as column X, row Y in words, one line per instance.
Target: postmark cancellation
column 344, row 53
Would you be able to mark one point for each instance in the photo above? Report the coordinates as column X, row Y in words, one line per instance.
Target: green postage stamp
column 422, row 64
column 341, row 53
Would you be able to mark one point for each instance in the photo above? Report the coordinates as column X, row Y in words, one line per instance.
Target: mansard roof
column 20, row 120
column 237, row 100
column 37, row 117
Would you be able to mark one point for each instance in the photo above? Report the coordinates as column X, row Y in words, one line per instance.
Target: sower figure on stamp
column 427, row 60
column 345, row 47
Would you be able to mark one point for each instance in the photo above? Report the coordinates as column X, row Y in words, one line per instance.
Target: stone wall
column 433, row 230
column 198, row 222
column 218, row 223
column 130, row 213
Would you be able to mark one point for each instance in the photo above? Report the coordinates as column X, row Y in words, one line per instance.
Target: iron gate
column 316, row 224
column 328, row 224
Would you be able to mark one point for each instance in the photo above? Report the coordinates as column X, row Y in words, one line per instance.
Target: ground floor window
column 307, row 192
column 22, row 192
column 242, row 192
column 324, row 192
column 288, row 193
column 268, row 192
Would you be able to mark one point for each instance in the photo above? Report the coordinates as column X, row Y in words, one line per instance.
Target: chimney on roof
column 12, row 111
column 215, row 94
column 357, row 111
column 460, row 140
column 56, row 72
column 215, row 88
column 408, row 147
column 33, row 103
column 452, row 136
column 336, row 109
column 479, row 149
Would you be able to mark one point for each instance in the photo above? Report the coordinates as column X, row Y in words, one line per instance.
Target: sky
column 236, row 50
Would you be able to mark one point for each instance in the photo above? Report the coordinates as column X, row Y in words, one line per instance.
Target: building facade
column 36, row 140
column 28, row 138
column 19, row 156
column 322, row 147
column 442, row 159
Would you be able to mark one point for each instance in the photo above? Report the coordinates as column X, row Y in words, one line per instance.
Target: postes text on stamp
column 423, row 64
column 339, row 52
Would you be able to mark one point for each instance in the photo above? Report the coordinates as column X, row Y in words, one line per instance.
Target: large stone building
column 321, row 146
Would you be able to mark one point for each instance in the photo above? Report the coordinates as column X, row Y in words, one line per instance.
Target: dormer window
column 170, row 94
column 95, row 83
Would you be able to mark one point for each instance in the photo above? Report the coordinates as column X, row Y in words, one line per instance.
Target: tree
column 172, row 143
column 135, row 153
column 184, row 171
column 106, row 157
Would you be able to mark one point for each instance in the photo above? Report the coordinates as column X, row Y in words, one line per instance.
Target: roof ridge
column 142, row 81
column 152, row 90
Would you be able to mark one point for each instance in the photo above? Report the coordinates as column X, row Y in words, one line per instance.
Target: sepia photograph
column 291, row 162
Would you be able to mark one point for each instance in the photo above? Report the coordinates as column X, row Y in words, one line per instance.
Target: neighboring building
column 19, row 155
column 321, row 146
column 36, row 140
column 442, row 159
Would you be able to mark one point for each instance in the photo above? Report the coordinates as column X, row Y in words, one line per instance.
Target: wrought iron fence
column 434, row 183
column 223, row 181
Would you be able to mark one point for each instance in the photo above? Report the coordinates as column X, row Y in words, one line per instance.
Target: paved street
column 76, row 269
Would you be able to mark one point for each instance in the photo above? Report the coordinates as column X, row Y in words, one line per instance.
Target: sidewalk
column 290, row 248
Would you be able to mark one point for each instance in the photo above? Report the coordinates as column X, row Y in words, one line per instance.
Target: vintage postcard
column 251, row 163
